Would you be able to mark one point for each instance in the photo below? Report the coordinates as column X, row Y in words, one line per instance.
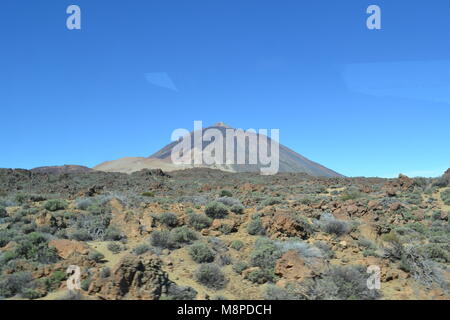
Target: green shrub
column 85, row 283
column 255, row 227
column 240, row 266
column 201, row 253
column 169, row 219
column 21, row 198
column 413, row 261
column 31, row 294
column 114, row 247
column 6, row 257
column 199, row 221
column 216, row 210
column 445, row 196
column 265, row 253
column 149, row 194
column 368, row 244
column 3, row 212
column 183, row 235
column 211, row 276
column 351, row 194
column 96, row 209
column 176, row 292
column 72, row 295
column 173, row 239
column 55, row 205
column 14, row 284
column 260, row 276
column 271, row 201
column 113, row 234
column 34, row 247
column 326, row 249
column 105, row 272
column 341, row 283
column 96, row 256
column 83, row 204
column 141, row 249
column 226, row 193
column 5, row 237
column 54, row 281
column 329, row 224
column 237, row 208
column 306, row 201
column 273, row 292
column 237, row 245
column 80, row 235
column 162, row 239
column 436, row 252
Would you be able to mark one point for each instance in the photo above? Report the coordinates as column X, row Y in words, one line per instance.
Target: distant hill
column 290, row 161
column 62, row 169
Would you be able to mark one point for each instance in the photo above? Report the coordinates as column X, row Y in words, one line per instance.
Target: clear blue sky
column 372, row 103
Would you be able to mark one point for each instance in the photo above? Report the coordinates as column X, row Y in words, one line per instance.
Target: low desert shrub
column 80, row 235
column 173, row 239
column 96, row 256
column 105, row 272
column 149, row 194
column 34, row 247
column 54, row 281
column 329, row 224
column 113, row 234
column 83, row 204
column 265, row 253
column 240, row 266
column 85, row 283
column 341, row 283
column 445, row 196
column 141, row 249
column 303, row 249
column 176, row 292
column 55, row 205
column 237, row 208
column 271, row 201
column 199, row 221
column 211, row 276
column 216, row 210
column 169, row 219
column 436, row 252
column 31, row 294
column 260, row 276
column 351, row 193
column 183, row 235
column 413, row 261
column 255, row 227
column 15, row 284
column 72, row 295
column 226, row 193
column 237, row 245
column 273, row 292
column 326, row 249
column 223, row 259
column 5, row 237
column 114, row 247
column 162, row 239
column 264, row 256
column 229, row 201
column 201, row 253
column 3, row 212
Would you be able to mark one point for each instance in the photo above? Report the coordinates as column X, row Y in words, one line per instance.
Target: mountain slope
column 289, row 160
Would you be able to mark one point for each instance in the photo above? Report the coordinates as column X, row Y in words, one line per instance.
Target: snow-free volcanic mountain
column 289, row 160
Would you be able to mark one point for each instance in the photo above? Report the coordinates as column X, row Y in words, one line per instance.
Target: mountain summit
column 289, row 160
